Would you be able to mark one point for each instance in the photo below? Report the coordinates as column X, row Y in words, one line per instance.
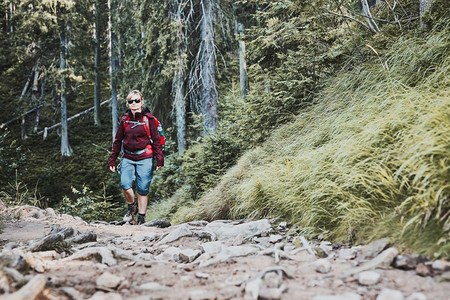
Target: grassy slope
column 369, row 159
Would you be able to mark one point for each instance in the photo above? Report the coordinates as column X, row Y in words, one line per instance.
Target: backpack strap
column 125, row 122
column 146, row 126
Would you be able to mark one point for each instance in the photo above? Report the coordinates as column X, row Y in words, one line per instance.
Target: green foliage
column 292, row 49
column 12, row 157
column 17, row 193
column 372, row 152
column 88, row 206
column 203, row 164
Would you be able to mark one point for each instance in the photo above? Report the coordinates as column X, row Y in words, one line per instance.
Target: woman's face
column 135, row 103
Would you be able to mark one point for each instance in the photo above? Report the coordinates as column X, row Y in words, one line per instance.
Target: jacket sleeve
column 157, row 148
column 117, row 145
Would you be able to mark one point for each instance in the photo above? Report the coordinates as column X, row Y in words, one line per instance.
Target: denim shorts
column 142, row 170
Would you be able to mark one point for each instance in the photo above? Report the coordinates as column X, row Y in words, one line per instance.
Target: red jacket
column 135, row 138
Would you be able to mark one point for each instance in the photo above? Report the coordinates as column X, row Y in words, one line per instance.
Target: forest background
column 333, row 116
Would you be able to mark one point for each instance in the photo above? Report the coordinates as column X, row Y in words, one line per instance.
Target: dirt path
column 198, row 260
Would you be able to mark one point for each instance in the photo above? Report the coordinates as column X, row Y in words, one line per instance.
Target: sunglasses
column 135, row 100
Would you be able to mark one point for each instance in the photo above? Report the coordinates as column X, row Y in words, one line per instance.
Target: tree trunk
column 66, row 150
column 424, row 5
column 112, row 69
column 23, row 129
column 370, row 21
column 97, row 100
column 242, row 63
column 208, row 93
column 35, row 100
column 179, row 78
column 12, row 8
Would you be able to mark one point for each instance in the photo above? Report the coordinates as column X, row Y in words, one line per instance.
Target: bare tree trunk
column 66, row 150
column 23, row 129
column 424, row 5
column 178, row 83
column 370, row 21
column 35, row 100
column 242, row 63
column 12, row 8
column 208, row 94
column 97, row 121
column 112, row 69
column 27, row 83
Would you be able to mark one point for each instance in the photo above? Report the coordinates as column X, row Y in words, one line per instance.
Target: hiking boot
column 140, row 220
column 132, row 210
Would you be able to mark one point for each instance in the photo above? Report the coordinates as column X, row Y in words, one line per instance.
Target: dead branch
column 21, row 116
column 47, row 129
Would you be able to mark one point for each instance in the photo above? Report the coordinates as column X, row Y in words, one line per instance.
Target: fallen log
column 47, row 129
column 21, row 116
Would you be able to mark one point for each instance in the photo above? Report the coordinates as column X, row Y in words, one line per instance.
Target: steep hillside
column 368, row 159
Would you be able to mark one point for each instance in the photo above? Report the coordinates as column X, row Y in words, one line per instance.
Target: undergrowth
column 371, row 154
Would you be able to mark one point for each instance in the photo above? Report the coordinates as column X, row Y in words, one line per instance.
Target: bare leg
column 129, row 195
column 142, row 203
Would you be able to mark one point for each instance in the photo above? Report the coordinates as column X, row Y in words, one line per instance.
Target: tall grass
column 372, row 152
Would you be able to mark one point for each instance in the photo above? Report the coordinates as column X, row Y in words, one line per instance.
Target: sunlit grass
column 373, row 153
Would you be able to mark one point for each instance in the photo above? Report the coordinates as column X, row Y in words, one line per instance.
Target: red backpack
column 146, row 126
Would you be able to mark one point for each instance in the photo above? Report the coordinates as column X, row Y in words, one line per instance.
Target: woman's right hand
column 112, row 168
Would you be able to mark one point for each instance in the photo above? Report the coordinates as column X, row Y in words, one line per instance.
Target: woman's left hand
column 159, row 167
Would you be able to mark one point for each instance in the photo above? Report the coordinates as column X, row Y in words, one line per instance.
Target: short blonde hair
column 135, row 92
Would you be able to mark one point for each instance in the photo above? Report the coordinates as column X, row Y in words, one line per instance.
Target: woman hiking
column 138, row 135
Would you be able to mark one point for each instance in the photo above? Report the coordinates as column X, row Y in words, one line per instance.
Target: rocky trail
column 45, row 255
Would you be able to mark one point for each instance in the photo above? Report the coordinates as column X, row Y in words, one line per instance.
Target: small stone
column 108, row 280
column 189, row 255
column 202, row 275
column 275, row 238
column 423, row 270
column 368, row 278
column 152, row 286
column 323, row 265
column 170, row 254
column 441, row 265
column 160, row 223
column 417, row 296
column 348, row 253
column 273, row 280
column 50, row 212
column 408, row 262
column 445, row 276
column 270, row 293
column 282, row 225
column 388, row 294
column 176, row 234
column 373, row 249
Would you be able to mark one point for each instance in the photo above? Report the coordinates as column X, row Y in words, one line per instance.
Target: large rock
column 170, row 254
column 176, row 234
column 104, row 253
column 108, row 280
column 373, row 249
column 229, row 231
column 383, row 260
